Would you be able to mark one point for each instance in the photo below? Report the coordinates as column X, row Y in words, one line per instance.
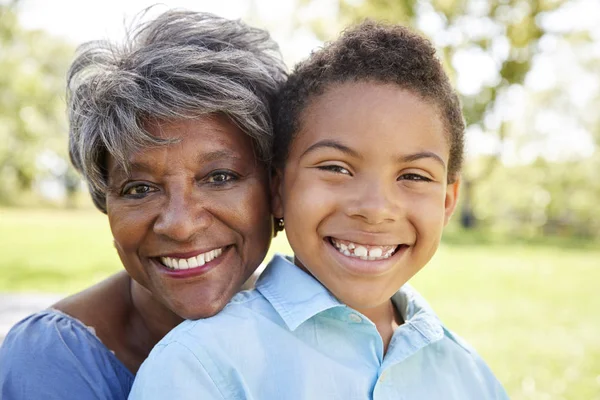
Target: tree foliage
column 32, row 107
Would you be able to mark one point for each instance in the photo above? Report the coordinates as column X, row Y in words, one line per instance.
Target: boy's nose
column 374, row 202
column 182, row 217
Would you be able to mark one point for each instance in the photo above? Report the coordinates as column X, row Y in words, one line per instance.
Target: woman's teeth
column 362, row 251
column 192, row 262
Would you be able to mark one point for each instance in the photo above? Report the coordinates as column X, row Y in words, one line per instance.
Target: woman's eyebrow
column 421, row 155
column 332, row 144
column 217, row 155
column 146, row 166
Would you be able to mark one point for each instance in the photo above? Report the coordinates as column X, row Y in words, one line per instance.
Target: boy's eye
column 221, row 177
column 335, row 168
column 138, row 190
column 414, row 177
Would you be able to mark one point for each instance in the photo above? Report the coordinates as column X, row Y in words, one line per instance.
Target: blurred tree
column 32, row 108
column 492, row 42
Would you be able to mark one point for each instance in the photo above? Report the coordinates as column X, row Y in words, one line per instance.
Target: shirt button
column 383, row 376
column 355, row 318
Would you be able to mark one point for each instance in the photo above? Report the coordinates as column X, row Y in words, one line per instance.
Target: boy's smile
column 364, row 192
column 364, row 251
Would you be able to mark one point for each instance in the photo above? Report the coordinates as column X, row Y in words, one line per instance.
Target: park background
column 518, row 270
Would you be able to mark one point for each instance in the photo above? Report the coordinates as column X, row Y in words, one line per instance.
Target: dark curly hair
column 375, row 52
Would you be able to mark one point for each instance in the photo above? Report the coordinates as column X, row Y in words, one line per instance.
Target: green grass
column 531, row 310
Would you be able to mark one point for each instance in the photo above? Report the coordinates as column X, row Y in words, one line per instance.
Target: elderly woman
column 172, row 133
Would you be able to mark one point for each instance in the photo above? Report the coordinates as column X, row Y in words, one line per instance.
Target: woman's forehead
column 198, row 140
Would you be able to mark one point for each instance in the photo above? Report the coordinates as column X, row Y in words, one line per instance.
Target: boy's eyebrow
column 420, row 155
column 328, row 143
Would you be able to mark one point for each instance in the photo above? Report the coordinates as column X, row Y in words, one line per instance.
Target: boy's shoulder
column 242, row 311
column 462, row 343
column 274, row 305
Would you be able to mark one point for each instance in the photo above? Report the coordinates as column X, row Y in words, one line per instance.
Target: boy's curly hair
column 375, row 52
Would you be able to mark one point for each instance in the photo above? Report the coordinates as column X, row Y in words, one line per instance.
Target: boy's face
column 364, row 193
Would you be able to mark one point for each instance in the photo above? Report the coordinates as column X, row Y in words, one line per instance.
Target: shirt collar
column 418, row 314
column 296, row 295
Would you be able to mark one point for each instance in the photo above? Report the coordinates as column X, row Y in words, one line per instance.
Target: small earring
column 279, row 224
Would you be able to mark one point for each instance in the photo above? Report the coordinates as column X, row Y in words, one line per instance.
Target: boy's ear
column 276, row 200
column 452, row 191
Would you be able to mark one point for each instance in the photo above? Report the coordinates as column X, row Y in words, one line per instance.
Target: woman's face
column 191, row 220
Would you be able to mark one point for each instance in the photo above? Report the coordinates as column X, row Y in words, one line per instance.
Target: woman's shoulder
column 50, row 330
column 51, row 352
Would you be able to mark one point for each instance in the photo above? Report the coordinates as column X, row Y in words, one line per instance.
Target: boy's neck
column 386, row 319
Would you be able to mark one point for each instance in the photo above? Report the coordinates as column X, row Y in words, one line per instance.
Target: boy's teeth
column 360, row 251
column 364, row 252
column 375, row 252
column 192, row 262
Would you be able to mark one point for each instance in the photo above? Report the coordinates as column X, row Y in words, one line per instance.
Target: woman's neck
column 149, row 321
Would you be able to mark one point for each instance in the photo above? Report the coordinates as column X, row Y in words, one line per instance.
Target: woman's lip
column 193, row 272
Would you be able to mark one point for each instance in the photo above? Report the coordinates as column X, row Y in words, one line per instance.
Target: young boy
column 368, row 149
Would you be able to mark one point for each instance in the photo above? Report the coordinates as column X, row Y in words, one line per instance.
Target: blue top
column 291, row 339
column 52, row 356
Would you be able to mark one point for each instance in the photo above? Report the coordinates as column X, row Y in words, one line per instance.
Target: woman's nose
column 182, row 217
column 374, row 202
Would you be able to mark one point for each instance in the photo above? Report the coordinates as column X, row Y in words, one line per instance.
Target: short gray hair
column 182, row 64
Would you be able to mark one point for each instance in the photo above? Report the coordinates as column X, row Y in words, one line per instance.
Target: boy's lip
column 362, row 243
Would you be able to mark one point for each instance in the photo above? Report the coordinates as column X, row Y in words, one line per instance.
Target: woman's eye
column 414, row 177
column 221, row 177
column 138, row 190
column 335, row 168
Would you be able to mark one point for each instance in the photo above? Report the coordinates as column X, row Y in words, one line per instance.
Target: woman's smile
column 196, row 266
column 181, row 262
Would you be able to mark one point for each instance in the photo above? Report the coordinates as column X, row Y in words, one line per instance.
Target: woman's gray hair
column 182, row 64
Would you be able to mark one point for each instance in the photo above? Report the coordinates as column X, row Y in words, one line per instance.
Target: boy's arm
column 173, row 371
column 496, row 389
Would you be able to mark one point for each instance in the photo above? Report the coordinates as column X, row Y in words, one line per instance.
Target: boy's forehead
column 364, row 98
column 393, row 117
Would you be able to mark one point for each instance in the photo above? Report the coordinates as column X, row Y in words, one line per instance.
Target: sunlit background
column 518, row 272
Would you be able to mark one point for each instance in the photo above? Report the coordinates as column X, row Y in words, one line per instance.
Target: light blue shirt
column 291, row 339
